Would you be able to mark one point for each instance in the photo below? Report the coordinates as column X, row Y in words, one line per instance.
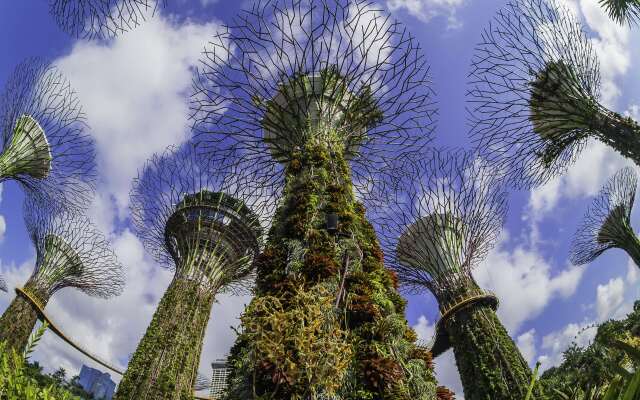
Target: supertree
column 446, row 214
column 320, row 97
column 533, row 94
column 102, row 19
column 70, row 252
column 200, row 224
column 45, row 144
column 607, row 223
column 622, row 11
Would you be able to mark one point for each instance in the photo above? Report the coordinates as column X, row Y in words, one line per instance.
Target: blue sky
column 133, row 90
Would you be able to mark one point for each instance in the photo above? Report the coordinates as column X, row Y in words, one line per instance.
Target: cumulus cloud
column 426, row 10
column 555, row 343
column 523, row 281
column 527, row 345
column 595, row 165
column 3, row 227
column 610, row 303
column 612, row 46
column 133, row 91
column 610, row 297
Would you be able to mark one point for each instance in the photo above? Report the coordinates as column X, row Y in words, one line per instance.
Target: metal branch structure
column 340, row 71
column 3, row 284
column 607, row 223
column 533, row 94
column 622, row 11
column 319, row 99
column 70, row 252
column 444, row 217
column 101, row 19
column 192, row 216
column 45, row 144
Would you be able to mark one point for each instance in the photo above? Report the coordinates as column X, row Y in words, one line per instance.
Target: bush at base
column 15, row 384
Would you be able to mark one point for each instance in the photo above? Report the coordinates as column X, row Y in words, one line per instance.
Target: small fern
column 34, row 339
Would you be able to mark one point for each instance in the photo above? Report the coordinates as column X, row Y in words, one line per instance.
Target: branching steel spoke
column 607, row 223
column 533, row 93
column 45, row 144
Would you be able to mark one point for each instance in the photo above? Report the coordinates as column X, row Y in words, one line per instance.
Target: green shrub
column 15, row 381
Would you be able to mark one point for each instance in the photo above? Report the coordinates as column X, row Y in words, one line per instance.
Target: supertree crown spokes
column 45, row 143
column 28, row 153
column 419, row 245
column 196, row 218
column 100, row 19
column 71, row 252
column 607, row 223
column 445, row 216
column 289, row 70
column 212, row 232
column 533, row 93
column 318, row 104
column 622, row 11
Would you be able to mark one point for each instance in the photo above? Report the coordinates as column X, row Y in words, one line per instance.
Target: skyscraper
column 97, row 383
column 219, row 378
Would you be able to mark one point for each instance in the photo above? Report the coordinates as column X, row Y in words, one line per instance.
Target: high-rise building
column 219, row 378
column 97, row 383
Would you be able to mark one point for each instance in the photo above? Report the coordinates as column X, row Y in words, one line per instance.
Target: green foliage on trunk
column 20, row 317
column 301, row 255
column 490, row 365
column 165, row 363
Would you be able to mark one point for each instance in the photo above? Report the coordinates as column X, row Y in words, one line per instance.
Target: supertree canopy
column 45, row 143
column 70, row 252
column 338, row 71
column 100, row 19
column 199, row 223
column 444, row 217
column 607, row 223
column 319, row 98
column 622, row 10
column 533, row 94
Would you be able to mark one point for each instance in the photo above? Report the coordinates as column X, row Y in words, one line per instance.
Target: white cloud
column 612, row 46
column 632, row 272
column 609, row 298
column 3, row 227
column 426, row 10
column 527, row 345
column 595, row 165
column 424, row 329
column 134, row 94
column 522, row 280
column 633, row 111
column 557, row 342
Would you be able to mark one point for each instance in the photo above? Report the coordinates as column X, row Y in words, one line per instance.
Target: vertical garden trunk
column 165, row 363
column 490, row 365
column 301, row 253
column 621, row 133
column 20, row 318
column 630, row 244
